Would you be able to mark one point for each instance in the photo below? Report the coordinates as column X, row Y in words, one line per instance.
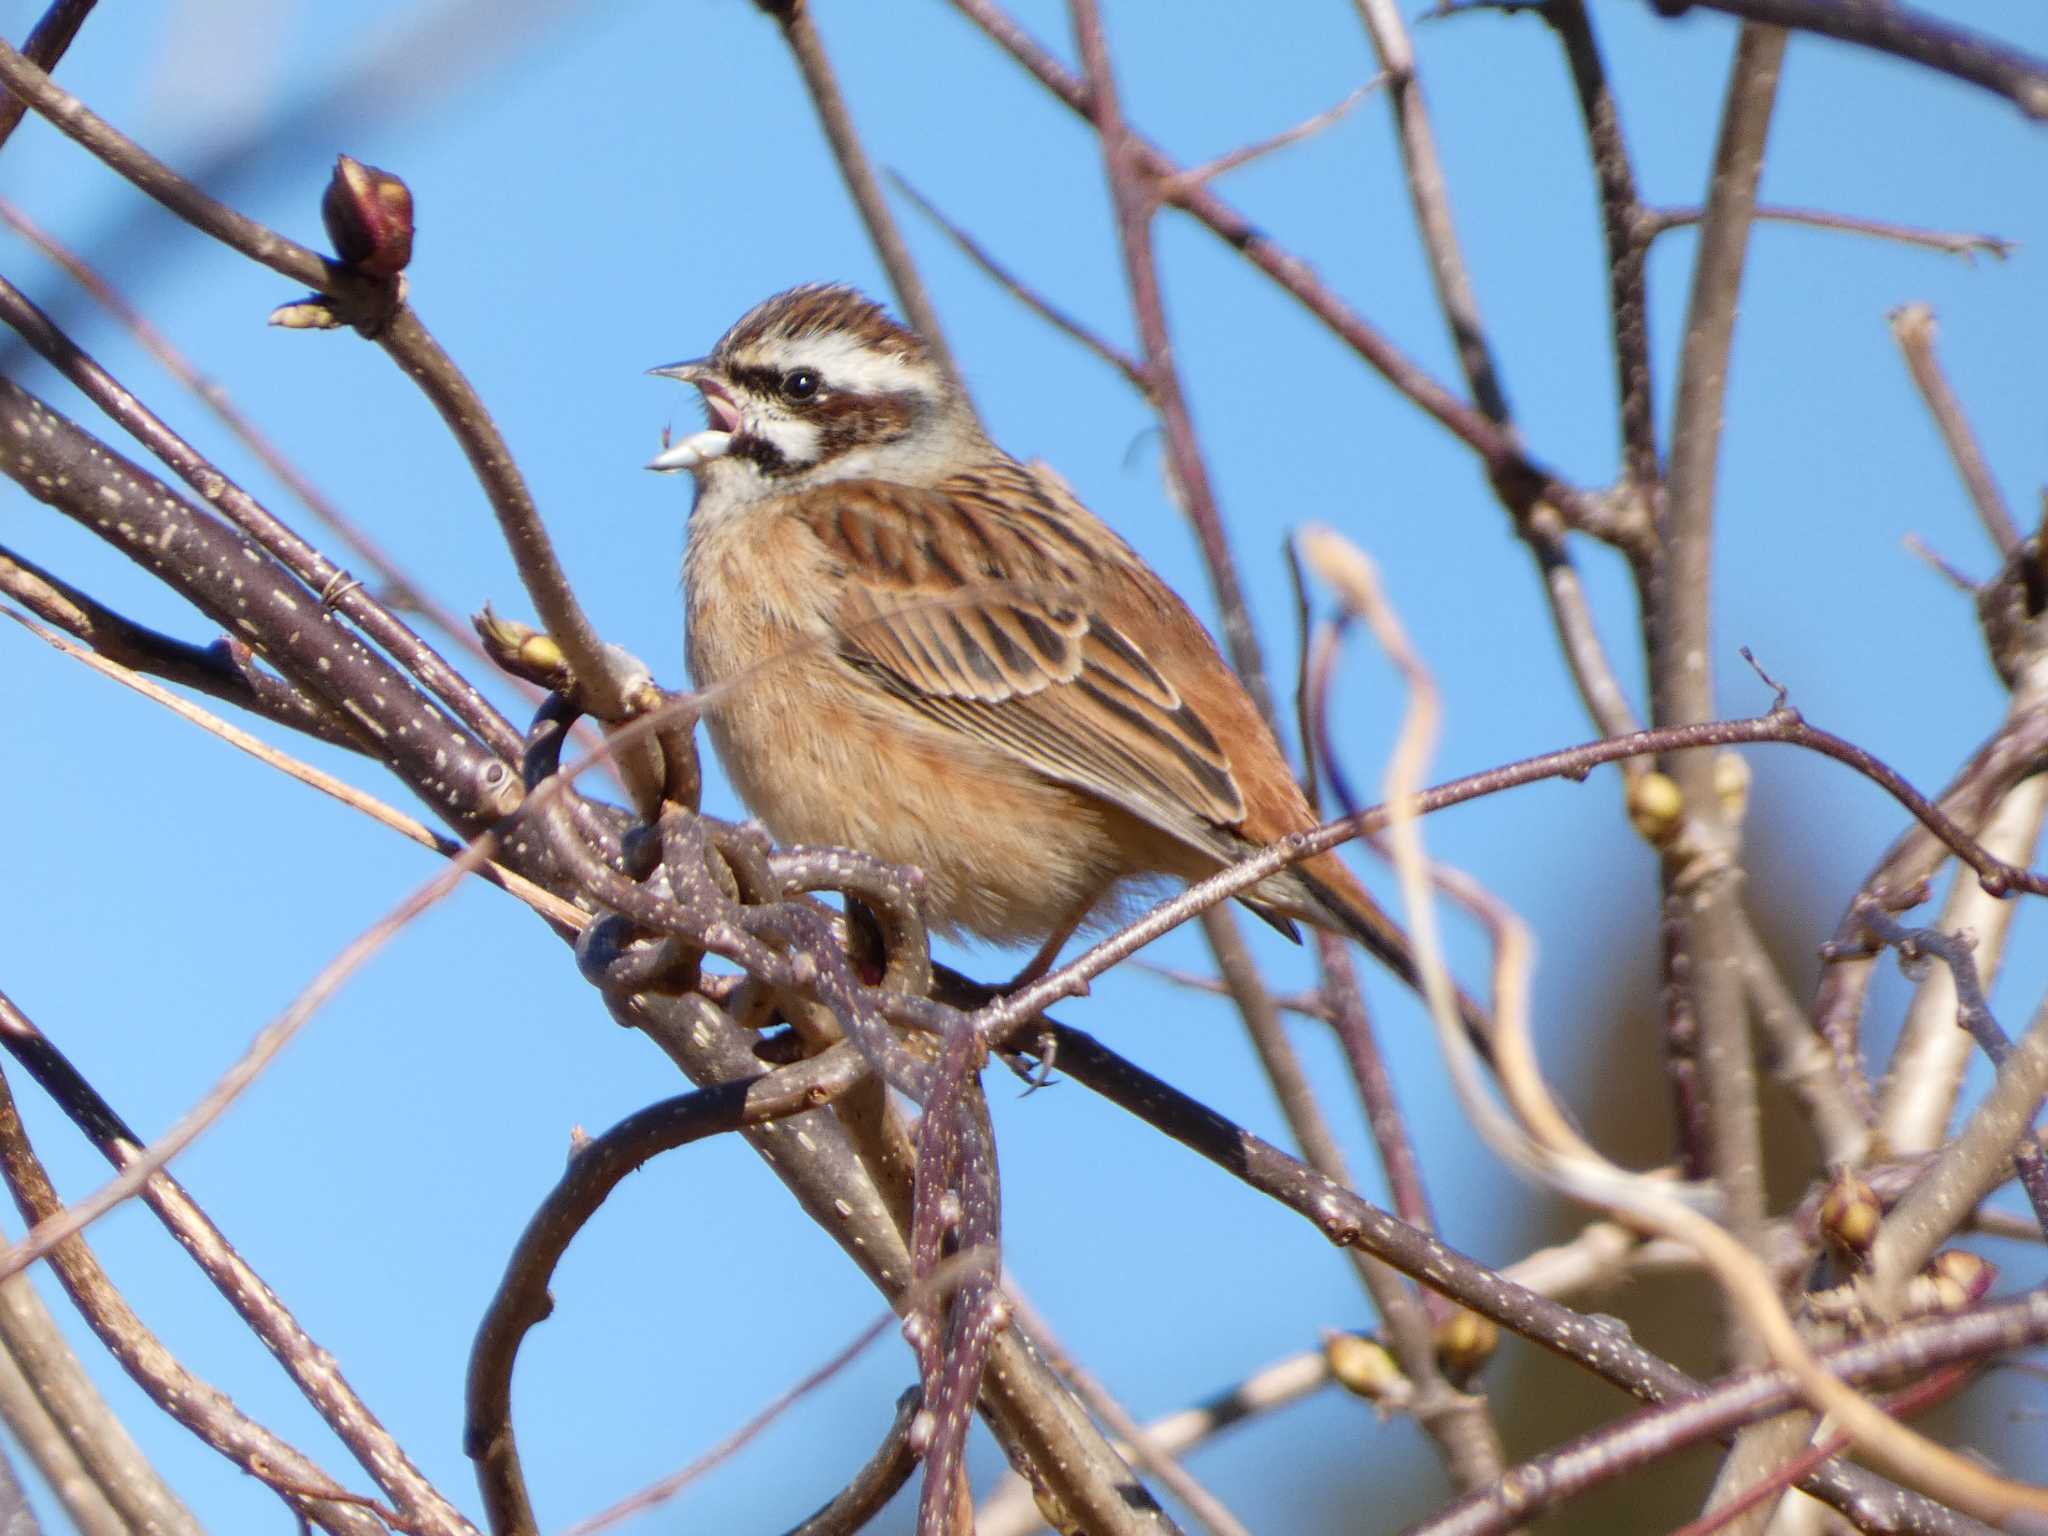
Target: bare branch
column 1902, row 32
column 400, row 590
column 800, row 32
column 1209, row 170
column 597, row 1168
column 1703, row 978
column 1134, row 190
column 72, row 1435
column 1952, row 244
column 1059, row 319
column 1913, row 329
column 311, row 1368
column 1570, row 1469
column 193, row 1403
column 45, row 46
column 312, row 568
column 224, row 670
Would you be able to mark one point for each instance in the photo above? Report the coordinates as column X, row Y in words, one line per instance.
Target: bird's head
column 813, row 385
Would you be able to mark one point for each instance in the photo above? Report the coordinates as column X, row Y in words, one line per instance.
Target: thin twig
column 249, row 594
column 1965, row 1170
column 1913, row 329
column 1948, row 242
column 1426, row 189
column 1783, row 725
column 1621, row 218
column 1010, row 1510
column 800, row 31
column 1135, row 192
column 1928, row 1063
column 1353, row 1027
column 319, row 574
column 1155, row 1458
column 1406, row 1321
column 598, row 1167
column 1341, row 1216
column 603, row 689
column 193, row 1403
column 311, row 1368
column 225, row 670
column 1032, row 300
column 571, row 917
column 260, row 244
column 400, row 590
column 1801, row 1060
column 1209, row 170
column 880, row 1479
column 1614, row 1449
column 67, row 1221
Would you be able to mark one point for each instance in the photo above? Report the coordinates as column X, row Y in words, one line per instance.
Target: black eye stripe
column 756, row 378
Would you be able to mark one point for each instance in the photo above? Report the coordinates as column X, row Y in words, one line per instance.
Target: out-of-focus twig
column 1949, row 242
column 800, row 32
column 193, row 1403
column 311, row 1368
column 44, row 47
column 1927, row 1066
column 1431, row 197
column 571, row 917
column 1902, row 32
column 1701, row 885
column 1029, row 297
column 1524, row 482
column 1611, row 1450
column 1913, row 329
column 1136, row 1439
column 69, row 1431
column 1245, row 154
column 1134, row 191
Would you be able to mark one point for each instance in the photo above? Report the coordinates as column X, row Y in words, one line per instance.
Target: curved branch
column 597, row 1169
column 850, row 1510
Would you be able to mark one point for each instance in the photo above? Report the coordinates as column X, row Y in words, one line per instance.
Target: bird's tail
column 1342, row 905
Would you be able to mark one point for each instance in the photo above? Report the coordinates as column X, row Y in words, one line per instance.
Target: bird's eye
column 800, row 384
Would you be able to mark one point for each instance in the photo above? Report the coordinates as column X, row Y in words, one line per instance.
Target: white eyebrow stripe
column 845, row 363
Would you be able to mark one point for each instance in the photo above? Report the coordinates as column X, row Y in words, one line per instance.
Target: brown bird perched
column 949, row 661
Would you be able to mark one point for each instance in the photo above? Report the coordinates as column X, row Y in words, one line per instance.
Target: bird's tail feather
column 1343, row 905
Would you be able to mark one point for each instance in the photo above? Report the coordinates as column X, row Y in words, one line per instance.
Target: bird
column 934, row 653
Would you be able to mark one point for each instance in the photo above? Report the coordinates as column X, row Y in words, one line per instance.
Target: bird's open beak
column 716, row 441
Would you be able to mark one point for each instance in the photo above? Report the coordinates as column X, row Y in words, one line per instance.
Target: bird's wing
column 979, row 604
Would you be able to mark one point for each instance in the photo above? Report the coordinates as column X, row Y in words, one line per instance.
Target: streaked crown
column 814, row 312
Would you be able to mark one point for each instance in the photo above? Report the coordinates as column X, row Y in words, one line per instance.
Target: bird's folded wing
column 980, row 609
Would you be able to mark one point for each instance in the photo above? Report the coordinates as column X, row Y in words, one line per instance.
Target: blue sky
column 605, row 191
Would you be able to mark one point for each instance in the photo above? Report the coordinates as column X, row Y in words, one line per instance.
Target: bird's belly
column 1008, row 855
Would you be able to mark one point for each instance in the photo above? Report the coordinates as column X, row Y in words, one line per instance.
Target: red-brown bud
column 368, row 214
